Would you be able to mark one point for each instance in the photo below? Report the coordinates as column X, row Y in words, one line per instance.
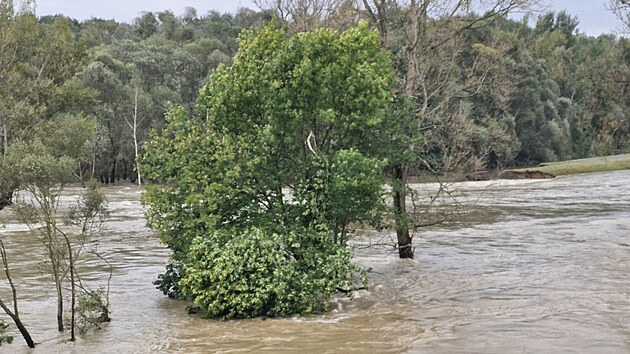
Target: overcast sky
column 593, row 16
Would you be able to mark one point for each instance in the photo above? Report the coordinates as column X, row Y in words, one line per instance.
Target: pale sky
column 593, row 16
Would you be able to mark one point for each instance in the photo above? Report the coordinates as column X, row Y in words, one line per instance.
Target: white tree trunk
column 134, row 127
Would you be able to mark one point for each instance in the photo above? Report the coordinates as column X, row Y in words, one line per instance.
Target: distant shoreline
column 561, row 168
column 588, row 165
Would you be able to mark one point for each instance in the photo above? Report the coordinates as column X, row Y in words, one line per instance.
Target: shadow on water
column 532, row 266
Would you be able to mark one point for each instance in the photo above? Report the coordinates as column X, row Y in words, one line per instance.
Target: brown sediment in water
column 491, row 175
column 533, row 267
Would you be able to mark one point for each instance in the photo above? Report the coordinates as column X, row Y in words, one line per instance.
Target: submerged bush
column 259, row 273
column 93, row 310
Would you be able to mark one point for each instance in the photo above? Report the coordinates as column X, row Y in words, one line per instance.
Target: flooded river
column 532, row 267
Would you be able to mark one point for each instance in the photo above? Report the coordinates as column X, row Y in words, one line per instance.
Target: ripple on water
column 531, row 266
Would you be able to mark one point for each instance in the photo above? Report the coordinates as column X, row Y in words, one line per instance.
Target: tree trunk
column 5, row 140
column 379, row 18
column 6, row 196
column 135, row 142
column 15, row 315
column 59, row 307
column 19, row 325
column 134, row 128
column 23, row 331
column 405, row 248
column 72, row 286
column 56, row 272
column 112, row 175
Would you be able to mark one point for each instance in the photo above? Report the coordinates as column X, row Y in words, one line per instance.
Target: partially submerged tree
column 416, row 30
column 426, row 40
column 43, row 177
column 43, row 172
column 259, row 187
column 89, row 215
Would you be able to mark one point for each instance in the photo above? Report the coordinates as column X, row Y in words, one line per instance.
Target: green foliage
column 92, row 310
column 207, row 181
column 168, row 282
column 5, row 338
column 90, row 212
column 33, row 164
column 292, row 116
column 346, row 190
column 251, row 272
column 43, row 167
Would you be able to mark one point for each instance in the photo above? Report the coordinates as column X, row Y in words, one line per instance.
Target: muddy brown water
column 531, row 267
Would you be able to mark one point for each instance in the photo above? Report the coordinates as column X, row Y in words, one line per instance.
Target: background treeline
column 497, row 94
column 80, row 84
column 512, row 95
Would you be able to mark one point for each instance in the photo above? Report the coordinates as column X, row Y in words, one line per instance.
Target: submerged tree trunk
column 23, row 332
column 15, row 314
column 59, row 305
column 56, row 272
column 379, row 17
column 72, row 286
column 405, row 248
column 18, row 323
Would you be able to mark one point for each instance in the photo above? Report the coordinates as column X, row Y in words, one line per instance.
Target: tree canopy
column 276, row 163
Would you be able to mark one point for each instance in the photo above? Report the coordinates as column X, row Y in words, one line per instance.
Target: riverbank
column 544, row 170
column 589, row 165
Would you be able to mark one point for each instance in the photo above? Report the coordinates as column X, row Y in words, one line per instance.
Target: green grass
column 596, row 164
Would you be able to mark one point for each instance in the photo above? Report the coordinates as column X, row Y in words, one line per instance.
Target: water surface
column 529, row 266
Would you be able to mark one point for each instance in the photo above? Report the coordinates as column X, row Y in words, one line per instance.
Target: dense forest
column 496, row 95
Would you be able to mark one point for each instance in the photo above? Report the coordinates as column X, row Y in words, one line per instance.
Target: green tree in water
column 258, row 188
column 44, row 167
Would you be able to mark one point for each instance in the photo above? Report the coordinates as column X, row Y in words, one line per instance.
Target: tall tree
column 44, row 167
column 427, row 25
column 302, row 115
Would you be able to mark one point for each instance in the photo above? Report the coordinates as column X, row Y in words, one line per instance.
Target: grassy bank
column 570, row 167
column 595, row 164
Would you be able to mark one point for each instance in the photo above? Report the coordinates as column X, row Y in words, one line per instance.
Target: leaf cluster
column 253, row 272
column 5, row 338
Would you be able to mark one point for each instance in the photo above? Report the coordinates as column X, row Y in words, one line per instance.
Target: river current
column 535, row 266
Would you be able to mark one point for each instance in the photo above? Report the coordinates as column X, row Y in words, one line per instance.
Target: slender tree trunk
column 405, row 248
column 72, row 287
column 15, row 314
column 135, row 143
column 56, row 277
column 23, row 331
column 379, row 18
column 18, row 323
column 55, row 266
column 134, row 128
column 5, row 139
column 112, row 175
column 93, row 170
column 401, row 172
column 59, row 304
